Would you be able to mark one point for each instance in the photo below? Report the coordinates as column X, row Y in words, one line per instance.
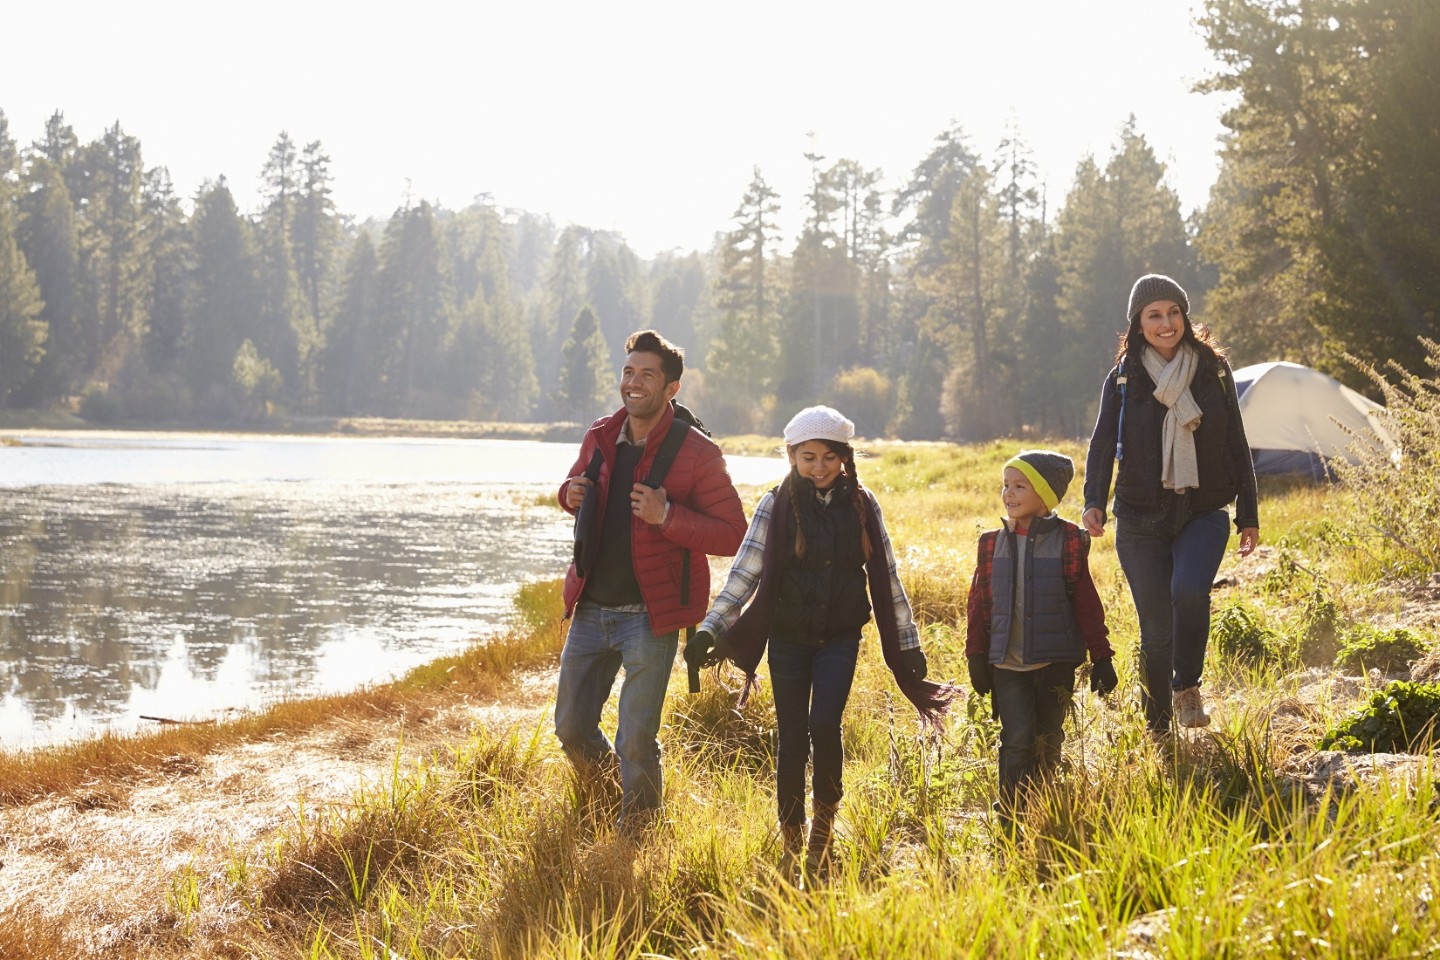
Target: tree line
column 964, row 303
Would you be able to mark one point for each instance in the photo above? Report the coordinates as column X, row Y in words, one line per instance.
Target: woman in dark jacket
column 1170, row 418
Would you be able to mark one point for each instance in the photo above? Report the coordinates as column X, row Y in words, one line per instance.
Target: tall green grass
column 1213, row 844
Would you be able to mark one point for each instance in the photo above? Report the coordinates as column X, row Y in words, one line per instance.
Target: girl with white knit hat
column 814, row 561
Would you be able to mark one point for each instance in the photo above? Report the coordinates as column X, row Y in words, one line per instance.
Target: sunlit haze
column 645, row 118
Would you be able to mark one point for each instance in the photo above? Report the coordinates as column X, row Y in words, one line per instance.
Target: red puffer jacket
column 705, row 518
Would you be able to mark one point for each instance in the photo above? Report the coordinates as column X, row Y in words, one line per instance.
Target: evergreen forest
column 962, row 304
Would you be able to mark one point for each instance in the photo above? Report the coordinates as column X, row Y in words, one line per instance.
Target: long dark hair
column 847, row 457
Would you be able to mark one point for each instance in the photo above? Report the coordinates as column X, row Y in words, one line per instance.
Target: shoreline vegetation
column 1246, row 839
column 33, row 421
column 20, row 422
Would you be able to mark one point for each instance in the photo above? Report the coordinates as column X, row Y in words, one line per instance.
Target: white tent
column 1293, row 418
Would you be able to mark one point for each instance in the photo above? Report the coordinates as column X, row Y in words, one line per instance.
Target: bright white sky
column 641, row 117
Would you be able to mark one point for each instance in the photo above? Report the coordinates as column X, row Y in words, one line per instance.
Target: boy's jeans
column 811, row 686
column 599, row 643
column 1170, row 575
column 1032, row 705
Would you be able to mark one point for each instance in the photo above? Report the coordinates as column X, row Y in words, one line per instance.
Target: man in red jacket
column 649, row 577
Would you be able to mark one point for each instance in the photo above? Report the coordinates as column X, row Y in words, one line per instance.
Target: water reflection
column 118, row 600
column 178, row 577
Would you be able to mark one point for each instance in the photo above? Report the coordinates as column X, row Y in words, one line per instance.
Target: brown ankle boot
column 792, row 841
column 817, row 855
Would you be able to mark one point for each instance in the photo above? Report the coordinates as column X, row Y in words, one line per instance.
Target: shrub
column 98, row 406
column 1399, row 718
column 863, row 394
column 1319, row 627
column 1238, row 633
column 1412, row 417
column 1369, row 648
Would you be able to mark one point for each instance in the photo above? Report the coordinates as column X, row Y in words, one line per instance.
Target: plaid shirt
column 1074, row 566
column 744, row 578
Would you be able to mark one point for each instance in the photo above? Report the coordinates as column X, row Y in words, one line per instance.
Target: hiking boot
column 817, row 854
column 1190, row 708
column 792, row 844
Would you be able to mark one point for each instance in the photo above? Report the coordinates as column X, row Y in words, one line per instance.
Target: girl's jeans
column 1170, row 573
column 811, row 686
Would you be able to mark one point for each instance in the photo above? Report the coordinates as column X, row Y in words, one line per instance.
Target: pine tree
column 1115, row 225
column 586, row 378
column 564, row 296
column 416, row 313
column 111, row 265
column 227, row 298
column 22, row 331
column 741, row 361
column 315, row 236
column 349, row 366
column 928, row 203
column 170, row 269
column 46, row 236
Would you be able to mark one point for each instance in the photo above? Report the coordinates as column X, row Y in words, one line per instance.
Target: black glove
column 912, row 663
column 697, row 650
column 1102, row 676
column 982, row 675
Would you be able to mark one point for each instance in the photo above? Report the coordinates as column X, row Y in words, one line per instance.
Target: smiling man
column 648, row 577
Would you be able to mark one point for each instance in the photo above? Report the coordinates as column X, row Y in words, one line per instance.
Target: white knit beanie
column 818, row 423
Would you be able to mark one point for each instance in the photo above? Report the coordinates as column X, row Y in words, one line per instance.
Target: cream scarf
column 1178, row 467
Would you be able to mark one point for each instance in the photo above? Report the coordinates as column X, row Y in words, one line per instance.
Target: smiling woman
column 1170, row 417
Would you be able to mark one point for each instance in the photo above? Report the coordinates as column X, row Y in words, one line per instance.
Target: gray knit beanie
column 1049, row 472
column 1152, row 287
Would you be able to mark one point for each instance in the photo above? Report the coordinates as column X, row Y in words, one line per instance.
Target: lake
column 184, row 575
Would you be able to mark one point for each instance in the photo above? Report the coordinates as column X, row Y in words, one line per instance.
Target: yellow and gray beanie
column 1049, row 473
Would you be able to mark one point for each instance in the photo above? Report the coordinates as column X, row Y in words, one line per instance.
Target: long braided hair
column 857, row 493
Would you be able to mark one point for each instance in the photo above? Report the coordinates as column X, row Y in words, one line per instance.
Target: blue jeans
column 599, row 643
column 811, row 686
column 1032, row 705
column 1170, row 574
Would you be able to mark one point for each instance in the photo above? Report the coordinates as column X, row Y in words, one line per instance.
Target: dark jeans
column 1032, row 705
column 811, row 686
column 1170, row 574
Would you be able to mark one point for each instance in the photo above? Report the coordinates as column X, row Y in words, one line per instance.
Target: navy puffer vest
column 1051, row 632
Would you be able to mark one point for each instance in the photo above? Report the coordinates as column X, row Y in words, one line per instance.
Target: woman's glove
column 982, row 675
column 1102, row 676
column 912, row 663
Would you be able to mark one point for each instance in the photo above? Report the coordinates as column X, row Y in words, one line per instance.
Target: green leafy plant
column 1319, row 626
column 1238, row 633
column 1366, row 647
column 1399, row 718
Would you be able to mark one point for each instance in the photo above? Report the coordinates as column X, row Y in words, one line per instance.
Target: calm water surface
column 180, row 576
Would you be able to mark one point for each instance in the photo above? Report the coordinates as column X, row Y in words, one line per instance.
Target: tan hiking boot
column 1190, row 708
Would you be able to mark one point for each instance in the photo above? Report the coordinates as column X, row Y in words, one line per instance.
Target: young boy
column 1033, row 612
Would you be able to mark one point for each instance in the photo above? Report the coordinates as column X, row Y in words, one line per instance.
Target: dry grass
column 480, row 842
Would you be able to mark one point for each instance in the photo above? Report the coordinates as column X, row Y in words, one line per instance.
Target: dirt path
column 111, row 867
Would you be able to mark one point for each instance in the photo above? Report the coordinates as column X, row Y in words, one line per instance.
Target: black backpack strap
column 593, row 470
column 1122, row 380
column 665, row 456
column 659, row 467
